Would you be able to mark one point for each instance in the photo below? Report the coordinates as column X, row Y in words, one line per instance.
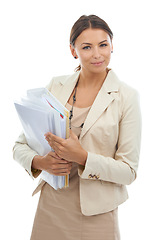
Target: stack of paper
column 40, row 112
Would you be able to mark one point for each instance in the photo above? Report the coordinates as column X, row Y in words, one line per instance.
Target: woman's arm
column 121, row 169
column 24, row 155
column 34, row 164
column 27, row 157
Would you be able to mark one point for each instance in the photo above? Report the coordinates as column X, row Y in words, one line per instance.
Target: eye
column 86, row 47
column 103, row 45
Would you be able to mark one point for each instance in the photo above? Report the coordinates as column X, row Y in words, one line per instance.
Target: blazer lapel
column 102, row 101
column 67, row 88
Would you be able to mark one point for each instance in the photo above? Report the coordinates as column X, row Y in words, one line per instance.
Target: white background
column 34, row 47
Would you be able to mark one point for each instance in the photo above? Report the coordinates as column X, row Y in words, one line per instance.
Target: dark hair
column 85, row 22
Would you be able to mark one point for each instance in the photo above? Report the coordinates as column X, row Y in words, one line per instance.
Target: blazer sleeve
column 24, row 155
column 122, row 169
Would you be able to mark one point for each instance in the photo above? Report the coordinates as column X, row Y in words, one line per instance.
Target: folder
column 40, row 112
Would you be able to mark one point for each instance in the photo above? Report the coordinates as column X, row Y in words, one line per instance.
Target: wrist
column 83, row 158
column 36, row 162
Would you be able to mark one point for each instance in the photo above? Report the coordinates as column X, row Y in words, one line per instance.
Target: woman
column 101, row 155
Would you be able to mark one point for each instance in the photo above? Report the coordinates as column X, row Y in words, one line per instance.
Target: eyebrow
column 91, row 44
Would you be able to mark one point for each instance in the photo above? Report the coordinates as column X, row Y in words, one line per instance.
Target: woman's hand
column 52, row 164
column 68, row 149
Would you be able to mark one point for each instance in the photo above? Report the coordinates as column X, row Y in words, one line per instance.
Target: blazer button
column 90, row 176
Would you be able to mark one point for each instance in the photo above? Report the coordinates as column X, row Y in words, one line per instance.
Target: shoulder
column 122, row 87
column 125, row 95
column 59, row 81
column 125, row 91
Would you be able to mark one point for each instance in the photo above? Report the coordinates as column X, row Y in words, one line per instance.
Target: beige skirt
column 58, row 220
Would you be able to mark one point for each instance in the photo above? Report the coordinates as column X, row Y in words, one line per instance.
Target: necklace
column 71, row 111
column 74, row 100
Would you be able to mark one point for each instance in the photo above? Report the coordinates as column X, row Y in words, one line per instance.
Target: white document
column 40, row 112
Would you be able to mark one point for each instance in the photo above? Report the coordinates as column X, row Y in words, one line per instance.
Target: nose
column 96, row 53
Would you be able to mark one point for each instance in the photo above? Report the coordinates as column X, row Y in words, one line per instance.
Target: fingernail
column 46, row 138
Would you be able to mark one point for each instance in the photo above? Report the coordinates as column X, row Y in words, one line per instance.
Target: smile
column 98, row 63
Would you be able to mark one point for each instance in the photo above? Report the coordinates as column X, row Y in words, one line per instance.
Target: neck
column 88, row 79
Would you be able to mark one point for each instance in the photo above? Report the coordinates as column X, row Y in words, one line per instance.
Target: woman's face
column 93, row 48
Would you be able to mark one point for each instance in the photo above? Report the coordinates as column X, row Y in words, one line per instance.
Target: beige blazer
column 111, row 136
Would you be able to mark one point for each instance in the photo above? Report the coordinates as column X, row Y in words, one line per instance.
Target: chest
column 84, row 97
column 102, row 136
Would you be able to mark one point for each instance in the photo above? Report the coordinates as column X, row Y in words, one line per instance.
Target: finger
column 54, row 154
column 72, row 134
column 54, row 145
column 57, row 148
column 57, row 160
column 51, row 137
column 58, row 172
column 57, row 156
column 61, row 161
column 58, row 167
column 61, row 174
column 61, row 169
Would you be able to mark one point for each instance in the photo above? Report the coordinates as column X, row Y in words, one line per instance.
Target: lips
column 98, row 63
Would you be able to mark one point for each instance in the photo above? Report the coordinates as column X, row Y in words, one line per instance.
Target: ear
column 73, row 51
column 111, row 47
